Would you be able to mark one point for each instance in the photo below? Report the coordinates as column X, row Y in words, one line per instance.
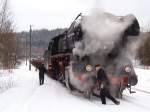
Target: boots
column 117, row 102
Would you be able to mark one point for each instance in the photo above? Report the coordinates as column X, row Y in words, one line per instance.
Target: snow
column 27, row 96
column 144, row 79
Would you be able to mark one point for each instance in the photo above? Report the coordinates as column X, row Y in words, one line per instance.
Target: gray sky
column 52, row 14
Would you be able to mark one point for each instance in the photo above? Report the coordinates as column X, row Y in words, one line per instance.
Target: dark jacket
column 42, row 70
column 102, row 78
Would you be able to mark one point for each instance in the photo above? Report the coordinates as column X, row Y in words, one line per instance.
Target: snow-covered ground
column 27, row 96
column 144, row 80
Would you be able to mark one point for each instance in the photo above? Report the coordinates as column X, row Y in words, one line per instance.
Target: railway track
column 140, row 90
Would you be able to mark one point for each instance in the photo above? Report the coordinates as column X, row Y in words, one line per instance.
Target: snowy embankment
column 144, row 80
column 7, row 80
column 27, row 96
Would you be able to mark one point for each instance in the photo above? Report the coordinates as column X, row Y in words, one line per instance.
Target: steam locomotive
column 77, row 71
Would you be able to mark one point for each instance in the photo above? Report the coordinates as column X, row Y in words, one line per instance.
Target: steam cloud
column 101, row 31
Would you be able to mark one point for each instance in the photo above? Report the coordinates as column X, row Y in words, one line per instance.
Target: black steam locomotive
column 77, row 71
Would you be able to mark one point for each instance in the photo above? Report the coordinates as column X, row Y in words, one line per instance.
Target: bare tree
column 143, row 52
column 6, row 23
column 8, row 40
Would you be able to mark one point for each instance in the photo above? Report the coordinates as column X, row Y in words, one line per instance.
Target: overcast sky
column 52, row 14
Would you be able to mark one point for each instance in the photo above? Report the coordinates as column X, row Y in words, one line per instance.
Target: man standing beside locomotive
column 42, row 70
column 103, row 83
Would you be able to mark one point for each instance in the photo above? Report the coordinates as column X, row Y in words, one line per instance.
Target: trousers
column 105, row 93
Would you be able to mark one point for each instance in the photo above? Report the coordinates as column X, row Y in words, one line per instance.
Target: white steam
column 82, row 82
column 133, row 46
column 101, row 31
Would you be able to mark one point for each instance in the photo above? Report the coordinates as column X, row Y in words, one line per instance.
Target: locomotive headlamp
column 89, row 68
column 128, row 69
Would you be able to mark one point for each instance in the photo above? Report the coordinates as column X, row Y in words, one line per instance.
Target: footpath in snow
column 27, row 96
